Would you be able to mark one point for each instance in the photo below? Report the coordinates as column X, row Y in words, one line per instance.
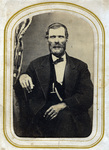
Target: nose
column 56, row 40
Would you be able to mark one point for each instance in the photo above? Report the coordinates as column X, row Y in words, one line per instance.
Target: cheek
column 63, row 43
column 51, row 43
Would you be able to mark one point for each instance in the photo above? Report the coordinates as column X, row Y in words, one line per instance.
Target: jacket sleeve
column 36, row 99
column 82, row 98
column 31, row 71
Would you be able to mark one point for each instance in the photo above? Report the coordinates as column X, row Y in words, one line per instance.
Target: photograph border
column 5, row 68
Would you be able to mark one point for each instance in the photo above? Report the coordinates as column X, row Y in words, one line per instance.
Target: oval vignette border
column 103, row 75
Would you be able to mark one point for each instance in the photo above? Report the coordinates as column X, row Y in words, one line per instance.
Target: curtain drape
column 18, row 47
column 18, row 58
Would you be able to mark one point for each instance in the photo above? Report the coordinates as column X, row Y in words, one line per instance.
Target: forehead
column 58, row 31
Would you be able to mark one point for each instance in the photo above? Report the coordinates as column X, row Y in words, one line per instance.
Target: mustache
column 58, row 46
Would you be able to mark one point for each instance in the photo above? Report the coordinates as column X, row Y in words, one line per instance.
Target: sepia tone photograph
column 54, row 74
column 53, row 77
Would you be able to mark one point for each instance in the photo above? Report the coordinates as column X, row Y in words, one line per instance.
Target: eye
column 52, row 37
column 61, row 36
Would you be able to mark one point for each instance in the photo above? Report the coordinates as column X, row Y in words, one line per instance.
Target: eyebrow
column 57, row 35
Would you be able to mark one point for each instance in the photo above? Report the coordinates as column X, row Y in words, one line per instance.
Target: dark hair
column 55, row 26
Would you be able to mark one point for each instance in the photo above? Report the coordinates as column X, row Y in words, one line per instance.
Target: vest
column 53, row 96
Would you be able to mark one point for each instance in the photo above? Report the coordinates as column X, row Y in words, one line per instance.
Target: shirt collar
column 54, row 58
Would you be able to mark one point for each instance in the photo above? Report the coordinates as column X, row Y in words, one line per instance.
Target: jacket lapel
column 70, row 77
column 43, row 74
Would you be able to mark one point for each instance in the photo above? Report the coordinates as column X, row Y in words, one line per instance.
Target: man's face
column 57, row 41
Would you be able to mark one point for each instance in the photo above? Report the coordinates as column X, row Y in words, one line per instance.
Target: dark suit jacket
column 78, row 90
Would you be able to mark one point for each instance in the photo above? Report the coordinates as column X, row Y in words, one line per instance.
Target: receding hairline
column 56, row 26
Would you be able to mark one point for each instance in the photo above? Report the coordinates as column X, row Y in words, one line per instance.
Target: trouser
column 61, row 126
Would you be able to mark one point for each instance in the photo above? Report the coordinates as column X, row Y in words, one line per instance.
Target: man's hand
column 53, row 111
column 26, row 82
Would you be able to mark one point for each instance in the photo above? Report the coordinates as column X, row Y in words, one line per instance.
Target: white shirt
column 59, row 68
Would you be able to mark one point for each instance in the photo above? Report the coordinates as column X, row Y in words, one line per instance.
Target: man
column 59, row 91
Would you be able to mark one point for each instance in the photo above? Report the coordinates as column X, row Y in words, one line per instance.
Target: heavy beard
column 57, row 50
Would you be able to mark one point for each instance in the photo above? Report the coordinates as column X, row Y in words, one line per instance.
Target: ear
column 48, row 41
column 66, row 39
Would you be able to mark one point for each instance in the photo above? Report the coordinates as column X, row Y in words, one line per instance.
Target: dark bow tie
column 58, row 60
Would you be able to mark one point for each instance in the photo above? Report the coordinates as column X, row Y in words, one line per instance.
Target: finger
column 28, row 87
column 51, row 112
column 48, row 115
column 47, row 111
column 54, row 116
column 25, row 85
column 22, row 85
column 31, row 83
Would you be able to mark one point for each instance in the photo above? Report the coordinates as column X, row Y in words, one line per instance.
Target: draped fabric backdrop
column 18, row 58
